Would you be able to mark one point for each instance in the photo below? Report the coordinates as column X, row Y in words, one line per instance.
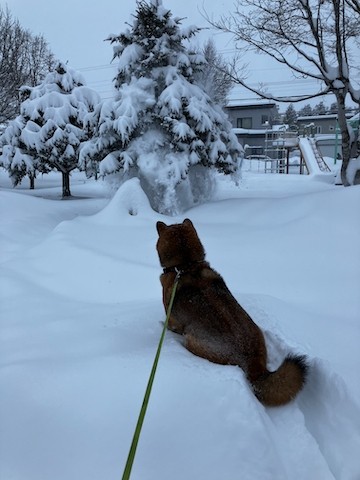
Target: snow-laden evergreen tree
column 162, row 126
column 50, row 128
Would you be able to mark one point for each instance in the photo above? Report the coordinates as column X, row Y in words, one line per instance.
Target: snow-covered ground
column 81, row 317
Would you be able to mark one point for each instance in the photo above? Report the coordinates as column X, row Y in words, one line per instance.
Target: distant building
column 251, row 121
column 256, row 124
column 325, row 130
column 252, row 115
column 319, row 124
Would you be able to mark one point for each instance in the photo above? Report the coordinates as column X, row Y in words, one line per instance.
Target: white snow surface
column 81, row 315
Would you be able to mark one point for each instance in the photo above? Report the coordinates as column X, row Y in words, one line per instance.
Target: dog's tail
column 280, row 387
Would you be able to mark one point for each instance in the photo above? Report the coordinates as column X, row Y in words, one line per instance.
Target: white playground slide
column 313, row 159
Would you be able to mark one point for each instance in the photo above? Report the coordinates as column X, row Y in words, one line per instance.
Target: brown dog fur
column 213, row 323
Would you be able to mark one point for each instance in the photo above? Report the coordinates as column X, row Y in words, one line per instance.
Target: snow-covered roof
column 329, row 116
column 251, row 131
column 233, row 102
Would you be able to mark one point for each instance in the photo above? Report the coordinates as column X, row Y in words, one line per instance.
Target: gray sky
column 76, row 29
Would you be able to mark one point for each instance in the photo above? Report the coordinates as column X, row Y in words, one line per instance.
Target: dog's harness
column 180, row 269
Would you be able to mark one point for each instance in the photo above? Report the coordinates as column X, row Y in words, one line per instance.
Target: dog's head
column 178, row 244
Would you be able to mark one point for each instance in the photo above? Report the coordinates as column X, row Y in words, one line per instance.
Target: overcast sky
column 76, row 29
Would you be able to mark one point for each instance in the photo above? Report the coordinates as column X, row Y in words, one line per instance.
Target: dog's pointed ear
column 188, row 223
column 160, row 227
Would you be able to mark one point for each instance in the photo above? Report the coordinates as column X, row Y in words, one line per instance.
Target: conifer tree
column 162, row 126
column 49, row 130
column 319, row 109
column 306, row 111
column 290, row 116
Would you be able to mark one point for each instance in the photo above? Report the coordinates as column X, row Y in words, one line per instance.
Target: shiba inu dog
column 212, row 322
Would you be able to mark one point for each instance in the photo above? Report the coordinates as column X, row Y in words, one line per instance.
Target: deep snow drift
column 81, row 316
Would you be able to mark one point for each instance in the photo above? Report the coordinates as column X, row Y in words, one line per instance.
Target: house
column 325, row 129
column 317, row 124
column 252, row 121
column 252, row 115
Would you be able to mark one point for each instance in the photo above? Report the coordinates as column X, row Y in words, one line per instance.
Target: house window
column 264, row 119
column 245, row 122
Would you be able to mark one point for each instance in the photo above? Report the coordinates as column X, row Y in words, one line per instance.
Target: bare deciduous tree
column 24, row 60
column 40, row 60
column 313, row 38
column 214, row 76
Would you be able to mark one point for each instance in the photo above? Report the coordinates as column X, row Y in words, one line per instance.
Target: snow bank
column 81, row 316
column 353, row 170
column 129, row 199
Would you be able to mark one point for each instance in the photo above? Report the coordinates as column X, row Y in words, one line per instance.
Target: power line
column 96, row 67
column 279, row 82
column 284, row 85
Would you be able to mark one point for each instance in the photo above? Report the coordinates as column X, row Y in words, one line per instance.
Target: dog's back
column 213, row 323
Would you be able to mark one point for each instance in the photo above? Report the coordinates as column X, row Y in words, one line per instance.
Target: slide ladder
column 314, row 162
column 320, row 161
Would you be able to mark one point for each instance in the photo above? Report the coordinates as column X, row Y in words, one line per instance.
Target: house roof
column 329, row 116
column 252, row 103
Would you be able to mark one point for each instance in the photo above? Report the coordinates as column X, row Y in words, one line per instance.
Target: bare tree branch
column 24, row 59
column 355, row 5
column 268, row 96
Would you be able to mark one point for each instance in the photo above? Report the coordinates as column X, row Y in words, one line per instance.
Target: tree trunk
column 346, row 141
column 66, row 184
column 32, row 182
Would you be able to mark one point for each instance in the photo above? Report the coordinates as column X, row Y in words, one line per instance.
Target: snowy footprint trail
column 323, row 423
column 326, row 412
column 333, row 419
column 269, row 443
